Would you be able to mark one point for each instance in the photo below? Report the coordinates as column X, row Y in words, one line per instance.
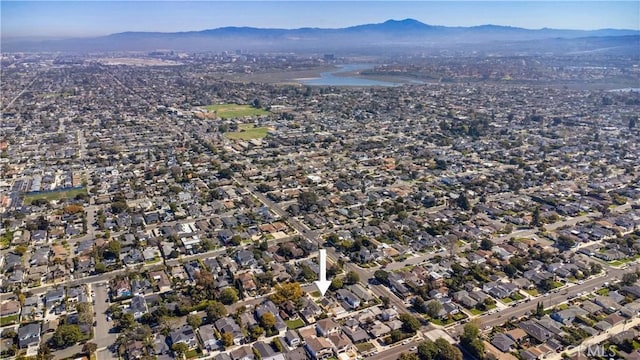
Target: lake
column 333, row 77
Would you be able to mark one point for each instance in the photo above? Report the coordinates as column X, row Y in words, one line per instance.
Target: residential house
column 536, row 331
column 28, row 335
column 503, row 342
column 53, row 297
column 361, row 292
column 349, row 298
column 327, row 326
column 319, row 348
column 292, row 338
column 567, row 316
column 297, row 354
column 160, row 346
column 228, row 325
column 341, row 343
column 184, row 334
column 9, row 308
column 243, row 353
column 161, row 280
column 267, row 352
column 122, row 288
column 269, row 306
column 379, row 329
column 208, row 337
column 137, row 307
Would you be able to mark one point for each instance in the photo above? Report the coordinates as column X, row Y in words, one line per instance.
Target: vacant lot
column 55, row 195
column 247, row 132
column 230, row 111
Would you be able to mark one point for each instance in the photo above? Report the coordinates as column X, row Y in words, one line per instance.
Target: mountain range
column 389, row 37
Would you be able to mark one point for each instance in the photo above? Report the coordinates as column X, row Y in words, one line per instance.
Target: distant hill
column 389, row 37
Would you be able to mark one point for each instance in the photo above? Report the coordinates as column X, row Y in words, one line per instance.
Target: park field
column 54, row 195
column 231, row 111
column 247, row 132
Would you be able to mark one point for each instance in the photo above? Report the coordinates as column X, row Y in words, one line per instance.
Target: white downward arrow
column 323, row 284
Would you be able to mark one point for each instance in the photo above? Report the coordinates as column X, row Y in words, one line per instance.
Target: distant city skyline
column 94, row 18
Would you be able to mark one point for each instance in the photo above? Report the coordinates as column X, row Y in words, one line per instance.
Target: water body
column 341, row 77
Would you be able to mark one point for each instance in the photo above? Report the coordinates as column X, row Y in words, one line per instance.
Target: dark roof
column 502, row 342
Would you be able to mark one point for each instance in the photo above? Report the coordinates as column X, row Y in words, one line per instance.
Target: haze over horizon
column 96, row 18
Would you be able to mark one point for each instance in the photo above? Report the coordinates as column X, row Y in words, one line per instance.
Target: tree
column 277, row 345
column 539, row 310
column 268, row 321
column 228, row 296
column 66, row 335
column 385, row 301
column 100, row 268
column 336, row 283
column 307, row 200
column 44, row 352
column 382, row 276
column 119, row 206
column 351, row 278
column 409, row 323
column 409, row 356
column 427, row 350
column 434, row 307
column 418, row 304
column 287, row 291
column 450, row 352
column 89, row 348
column 595, row 268
column 396, row 335
column 256, row 332
column 227, row 339
column 180, row 349
column 470, row 339
column 114, row 247
column 510, row 270
column 565, row 242
column 486, row 244
column 463, row 202
column 20, row 250
column 629, row 278
column 535, row 217
column 215, row 311
column 194, row 320
column 126, row 322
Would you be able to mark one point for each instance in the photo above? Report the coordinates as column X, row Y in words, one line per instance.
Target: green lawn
column 247, row 132
column 603, row 292
column 364, row 347
column 475, row 311
column 230, row 111
column 191, row 354
column 506, row 300
column 623, row 261
column 8, row 320
column 55, row 195
column 533, row 292
column 5, row 240
column 294, row 324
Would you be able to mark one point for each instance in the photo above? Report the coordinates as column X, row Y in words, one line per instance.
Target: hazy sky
column 89, row 18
